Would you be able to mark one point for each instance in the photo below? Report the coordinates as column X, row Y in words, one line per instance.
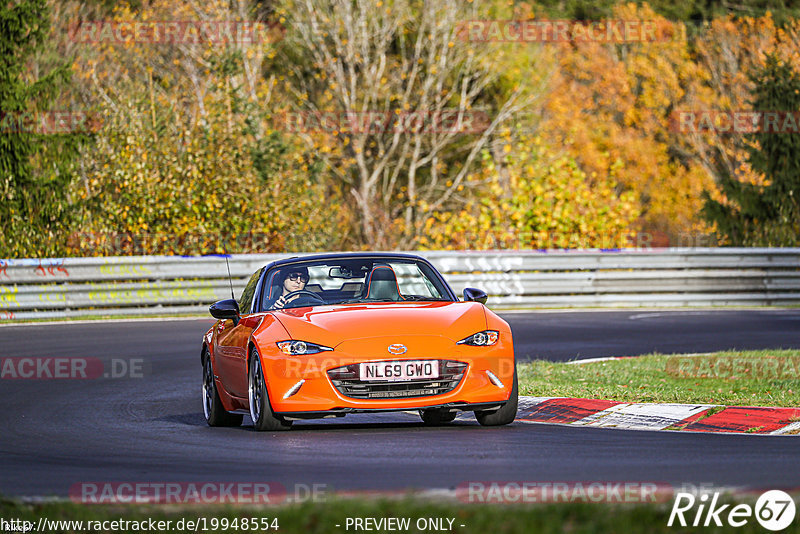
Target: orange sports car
column 334, row 334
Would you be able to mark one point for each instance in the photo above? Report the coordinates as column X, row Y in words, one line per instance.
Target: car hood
column 331, row 325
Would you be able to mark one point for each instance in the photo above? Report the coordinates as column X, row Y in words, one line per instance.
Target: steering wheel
column 306, row 293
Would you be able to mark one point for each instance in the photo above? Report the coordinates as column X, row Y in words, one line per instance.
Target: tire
column 505, row 414
column 260, row 410
column 212, row 405
column 437, row 416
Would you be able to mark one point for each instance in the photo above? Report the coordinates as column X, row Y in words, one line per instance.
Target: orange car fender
column 495, row 322
column 471, row 318
column 263, row 338
column 255, row 321
column 209, row 339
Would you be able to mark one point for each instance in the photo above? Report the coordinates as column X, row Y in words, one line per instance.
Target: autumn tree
column 610, row 107
column 545, row 201
column 768, row 214
column 188, row 161
column 727, row 53
column 431, row 101
column 36, row 155
column 690, row 12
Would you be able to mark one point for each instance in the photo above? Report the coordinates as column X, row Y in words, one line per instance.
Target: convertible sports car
column 334, row 334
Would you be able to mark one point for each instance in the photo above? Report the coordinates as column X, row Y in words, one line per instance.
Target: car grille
column 345, row 380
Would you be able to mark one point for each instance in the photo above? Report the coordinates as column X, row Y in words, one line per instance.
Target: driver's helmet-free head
column 294, row 271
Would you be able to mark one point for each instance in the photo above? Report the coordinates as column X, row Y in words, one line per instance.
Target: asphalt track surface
column 55, row 434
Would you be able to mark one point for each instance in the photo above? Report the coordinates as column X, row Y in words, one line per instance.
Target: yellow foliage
column 175, row 168
column 534, row 199
column 609, row 106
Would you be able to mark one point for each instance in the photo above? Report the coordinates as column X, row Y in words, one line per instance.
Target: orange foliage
column 535, row 199
column 610, row 106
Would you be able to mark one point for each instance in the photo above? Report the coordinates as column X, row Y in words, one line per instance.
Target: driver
column 295, row 279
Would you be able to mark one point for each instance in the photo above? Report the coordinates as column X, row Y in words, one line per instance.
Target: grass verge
column 741, row 378
column 313, row 518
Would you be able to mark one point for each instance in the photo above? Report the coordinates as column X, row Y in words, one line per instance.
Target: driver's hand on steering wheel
column 281, row 302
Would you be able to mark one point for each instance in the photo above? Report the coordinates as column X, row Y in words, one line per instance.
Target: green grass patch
column 313, row 518
column 735, row 378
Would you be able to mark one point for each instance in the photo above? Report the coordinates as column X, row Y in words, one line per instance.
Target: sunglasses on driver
column 297, row 277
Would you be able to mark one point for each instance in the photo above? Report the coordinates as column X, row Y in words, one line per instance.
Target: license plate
column 392, row 371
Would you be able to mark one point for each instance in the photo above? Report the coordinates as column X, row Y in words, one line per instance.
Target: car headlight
column 294, row 347
column 481, row 339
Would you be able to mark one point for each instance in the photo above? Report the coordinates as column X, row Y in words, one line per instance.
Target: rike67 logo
column 774, row 510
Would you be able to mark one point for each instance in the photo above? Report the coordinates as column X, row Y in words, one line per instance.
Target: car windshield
column 341, row 281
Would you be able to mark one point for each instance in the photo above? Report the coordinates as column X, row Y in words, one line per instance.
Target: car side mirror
column 477, row 295
column 225, row 309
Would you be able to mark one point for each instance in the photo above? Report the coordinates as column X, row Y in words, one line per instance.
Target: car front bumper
column 300, row 387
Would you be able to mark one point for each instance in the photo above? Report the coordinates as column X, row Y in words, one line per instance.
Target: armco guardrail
column 141, row 285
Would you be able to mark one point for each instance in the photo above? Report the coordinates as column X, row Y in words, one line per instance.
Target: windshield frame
column 433, row 272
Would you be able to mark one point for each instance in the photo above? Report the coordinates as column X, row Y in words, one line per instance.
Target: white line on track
column 594, row 360
column 612, row 358
column 645, row 311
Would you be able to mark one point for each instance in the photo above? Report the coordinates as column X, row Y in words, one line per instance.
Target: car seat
column 382, row 284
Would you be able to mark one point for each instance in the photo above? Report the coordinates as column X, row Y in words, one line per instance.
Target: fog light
column 295, row 389
column 496, row 381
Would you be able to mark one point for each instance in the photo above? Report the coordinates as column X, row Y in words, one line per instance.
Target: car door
column 231, row 345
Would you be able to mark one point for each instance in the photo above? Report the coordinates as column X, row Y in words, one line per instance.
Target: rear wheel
column 212, row 405
column 505, row 414
column 260, row 410
column 437, row 416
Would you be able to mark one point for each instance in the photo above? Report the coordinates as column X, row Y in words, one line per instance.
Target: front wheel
column 260, row 410
column 212, row 405
column 505, row 414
